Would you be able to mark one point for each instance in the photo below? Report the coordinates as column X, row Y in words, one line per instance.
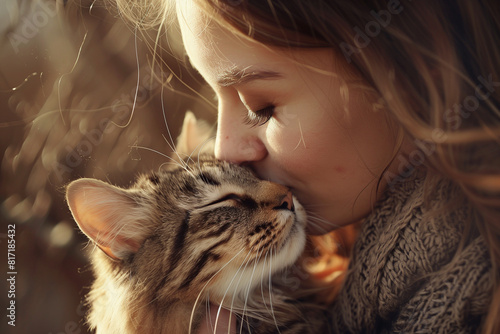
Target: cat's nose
column 286, row 202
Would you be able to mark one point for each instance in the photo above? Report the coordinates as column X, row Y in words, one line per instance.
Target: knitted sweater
column 404, row 277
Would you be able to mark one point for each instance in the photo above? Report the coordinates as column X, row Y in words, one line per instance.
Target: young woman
column 380, row 111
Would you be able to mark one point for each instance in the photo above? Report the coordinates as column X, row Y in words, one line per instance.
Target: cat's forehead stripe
column 208, row 179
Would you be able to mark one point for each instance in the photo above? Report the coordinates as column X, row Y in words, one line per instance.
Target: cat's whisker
column 200, row 150
column 171, row 163
column 270, row 290
column 268, row 255
column 318, row 219
column 190, row 169
column 317, row 205
column 229, row 322
column 187, row 167
column 160, row 153
column 317, row 226
column 217, row 317
column 179, row 161
column 244, row 263
column 242, row 315
column 205, row 286
column 262, row 282
column 322, row 226
column 191, row 164
column 247, row 293
column 202, row 146
column 195, row 165
column 209, row 312
column 170, row 145
column 319, row 229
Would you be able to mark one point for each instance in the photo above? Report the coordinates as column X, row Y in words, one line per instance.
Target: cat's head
column 204, row 223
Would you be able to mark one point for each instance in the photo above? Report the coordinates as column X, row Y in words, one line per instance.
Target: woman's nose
column 237, row 142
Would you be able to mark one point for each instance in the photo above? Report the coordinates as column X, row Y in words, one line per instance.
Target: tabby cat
column 203, row 230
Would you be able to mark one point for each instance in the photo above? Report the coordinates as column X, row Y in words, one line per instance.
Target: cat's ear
column 110, row 216
column 197, row 136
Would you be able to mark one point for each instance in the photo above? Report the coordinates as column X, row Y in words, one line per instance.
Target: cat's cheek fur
column 259, row 266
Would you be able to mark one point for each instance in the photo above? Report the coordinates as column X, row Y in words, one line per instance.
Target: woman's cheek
column 282, row 140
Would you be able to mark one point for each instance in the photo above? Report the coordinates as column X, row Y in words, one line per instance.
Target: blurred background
column 82, row 94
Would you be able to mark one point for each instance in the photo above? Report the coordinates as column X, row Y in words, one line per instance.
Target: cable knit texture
column 404, row 276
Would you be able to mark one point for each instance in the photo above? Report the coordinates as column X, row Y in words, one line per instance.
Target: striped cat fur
column 179, row 238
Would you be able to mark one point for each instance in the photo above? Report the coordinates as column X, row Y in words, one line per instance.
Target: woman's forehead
column 220, row 54
column 216, row 51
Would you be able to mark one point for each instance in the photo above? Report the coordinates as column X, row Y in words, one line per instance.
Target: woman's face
column 324, row 141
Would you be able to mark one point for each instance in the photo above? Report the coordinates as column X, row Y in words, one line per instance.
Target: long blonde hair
column 434, row 65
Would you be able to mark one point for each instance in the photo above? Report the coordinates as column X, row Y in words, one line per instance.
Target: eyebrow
column 237, row 76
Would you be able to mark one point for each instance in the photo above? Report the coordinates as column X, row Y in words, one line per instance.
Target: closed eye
column 244, row 201
column 259, row 117
column 228, row 197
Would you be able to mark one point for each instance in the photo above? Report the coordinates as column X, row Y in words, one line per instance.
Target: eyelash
column 260, row 117
column 228, row 197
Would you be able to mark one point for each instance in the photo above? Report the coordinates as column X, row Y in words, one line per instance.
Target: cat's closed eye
column 228, row 197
